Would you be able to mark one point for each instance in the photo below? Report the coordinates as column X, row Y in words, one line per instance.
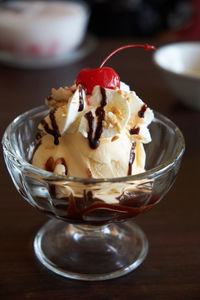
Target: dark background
column 138, row 17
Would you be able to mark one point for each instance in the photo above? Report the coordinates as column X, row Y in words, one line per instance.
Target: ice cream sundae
column 86, row 167
column 95, row 129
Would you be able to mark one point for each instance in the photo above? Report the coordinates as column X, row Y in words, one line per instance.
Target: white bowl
column 180, row 64
column 42, row 29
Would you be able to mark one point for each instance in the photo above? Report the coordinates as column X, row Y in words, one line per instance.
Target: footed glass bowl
column 91, row 235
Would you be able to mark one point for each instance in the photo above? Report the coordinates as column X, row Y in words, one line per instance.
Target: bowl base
column 90, row 253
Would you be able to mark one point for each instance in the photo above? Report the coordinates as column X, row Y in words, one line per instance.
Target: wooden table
column 172, row 267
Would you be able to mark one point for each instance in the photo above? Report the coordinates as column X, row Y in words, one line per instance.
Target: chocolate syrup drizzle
column 81, row 101
column 142, row 111
column 51, row 164
column 131, row 159
column 134, row 130
column 80, row 208
column 100, row 113
column 55, row 131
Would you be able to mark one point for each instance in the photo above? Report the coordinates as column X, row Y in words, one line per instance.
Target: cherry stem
column 146, row 47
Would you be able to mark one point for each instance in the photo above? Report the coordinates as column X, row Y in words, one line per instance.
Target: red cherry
column 104, row 76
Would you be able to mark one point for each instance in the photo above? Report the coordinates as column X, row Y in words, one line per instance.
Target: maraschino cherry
column 104, row 76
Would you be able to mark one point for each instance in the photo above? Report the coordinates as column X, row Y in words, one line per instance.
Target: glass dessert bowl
column 91, row 235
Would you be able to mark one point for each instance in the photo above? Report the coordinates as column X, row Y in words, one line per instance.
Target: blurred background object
column 61, row 32
column 180, row 65
column 191, row 31
column 41, row 28
column 52, row 28
column 139, row 17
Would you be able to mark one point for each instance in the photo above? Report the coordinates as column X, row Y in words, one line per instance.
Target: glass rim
column 151, row 173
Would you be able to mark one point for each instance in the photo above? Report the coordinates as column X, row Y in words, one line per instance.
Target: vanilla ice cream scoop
column 94, row 136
